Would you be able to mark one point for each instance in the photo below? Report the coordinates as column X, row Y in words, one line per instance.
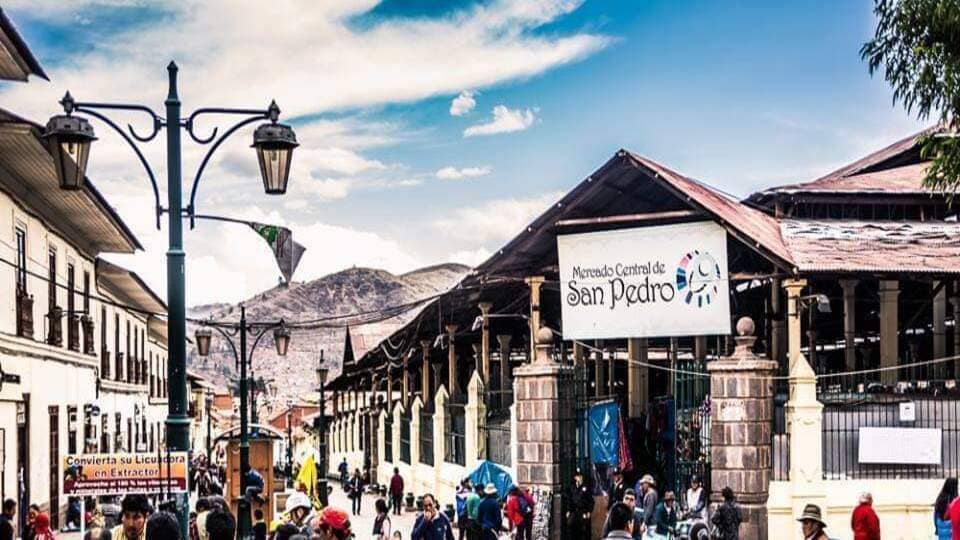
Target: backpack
column 525, row 509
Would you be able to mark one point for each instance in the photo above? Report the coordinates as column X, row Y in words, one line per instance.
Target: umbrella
column 489, row 472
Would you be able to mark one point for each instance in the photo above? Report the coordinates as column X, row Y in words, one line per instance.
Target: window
column 21, row 258
column 118, row 356
column 71, row 288
column 129, row 371
column 52, row 278
column 86, row 292
column 104, row 359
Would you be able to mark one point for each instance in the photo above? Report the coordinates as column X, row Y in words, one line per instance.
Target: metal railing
column 455, row 429
column 497, row 431
column 426, row 437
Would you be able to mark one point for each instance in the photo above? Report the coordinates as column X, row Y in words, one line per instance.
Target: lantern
column 69, row 138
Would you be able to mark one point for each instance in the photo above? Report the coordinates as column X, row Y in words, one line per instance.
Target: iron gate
column 691, row 390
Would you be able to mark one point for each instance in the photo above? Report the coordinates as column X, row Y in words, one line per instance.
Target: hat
column 647, row 479
column 490, row 489
column 297, row 500
column 811, row 512
column 334, row 518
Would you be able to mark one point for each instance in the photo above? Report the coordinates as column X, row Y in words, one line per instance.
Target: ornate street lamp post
column 281, row 338
column 322, row 372
column 70, row 138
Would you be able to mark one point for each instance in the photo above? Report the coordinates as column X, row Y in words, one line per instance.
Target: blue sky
column 742, row 95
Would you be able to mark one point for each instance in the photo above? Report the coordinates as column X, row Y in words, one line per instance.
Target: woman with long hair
column 42, row 527
column 940, row 520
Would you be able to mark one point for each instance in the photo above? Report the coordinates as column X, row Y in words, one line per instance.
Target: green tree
column 917, row 45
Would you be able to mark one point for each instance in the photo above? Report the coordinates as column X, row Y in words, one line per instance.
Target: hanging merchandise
column 626, row 461
column 604, row 433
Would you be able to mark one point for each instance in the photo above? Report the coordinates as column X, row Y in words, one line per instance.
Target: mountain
column 366, row 291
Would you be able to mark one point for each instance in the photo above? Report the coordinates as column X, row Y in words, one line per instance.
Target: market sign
column 669, row 280
column 118, row 474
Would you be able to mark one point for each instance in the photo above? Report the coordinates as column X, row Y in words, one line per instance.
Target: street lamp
column 322, row 372
column 70, row 138
column 203, row 336
column 244, row 358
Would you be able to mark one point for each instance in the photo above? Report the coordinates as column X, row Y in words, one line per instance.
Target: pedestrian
column 297, row 511
column 629, row 499
column 520, row 512
column 581, row 506
column 6, row 519
column 473, row 505
column 381, row 523
column 286, row 531
column 332, row 524
column 163, row 526
column 134, row 511
column 221, row 525
column 464, row 489
column 344, row 472
column 396, row 491
column 356, row 491
column 864, row 521
column 488, row 514
column 665, row 517
column 30, row 527
column 617, row 490
column 812, row 524
column 200, row 528
column 621, row 523
column 941, row 520
column 696, row 502
column 259, row 525
column 650, row 498
column 41, row 528
column 727, row 518
column 431, row 524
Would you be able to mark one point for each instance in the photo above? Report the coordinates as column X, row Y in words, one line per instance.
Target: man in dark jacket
column 488, row 514
column 432, row 524
column 6, row 519
column 727, row 517
column 396, row 491
column 665, row 516
column 581, row 506
column 617, row 491
column 630, row 500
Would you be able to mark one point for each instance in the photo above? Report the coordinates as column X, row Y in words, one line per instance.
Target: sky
column 434, row 131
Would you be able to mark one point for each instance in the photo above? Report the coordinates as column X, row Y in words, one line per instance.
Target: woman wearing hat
column 812, row 524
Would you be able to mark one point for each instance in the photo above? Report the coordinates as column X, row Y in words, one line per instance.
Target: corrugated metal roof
column 82, row 216
column 128, row 284
column 906, row 180
column 16, row 60
column 876, row 246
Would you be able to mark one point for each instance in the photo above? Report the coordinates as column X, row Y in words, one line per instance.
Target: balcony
column 24, row 314
column 73, row 332
column 55, row 326
column 86, row 323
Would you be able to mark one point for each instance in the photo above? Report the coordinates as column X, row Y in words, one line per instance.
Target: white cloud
column 504, row 121
column 463, row 103
column 453, row 173
column 494, row 221
column 471, row 258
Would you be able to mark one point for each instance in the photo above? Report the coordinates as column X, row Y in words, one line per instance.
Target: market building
column 849, row 280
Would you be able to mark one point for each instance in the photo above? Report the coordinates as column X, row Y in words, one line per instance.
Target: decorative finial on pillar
column 745, row 338
column 544, row 351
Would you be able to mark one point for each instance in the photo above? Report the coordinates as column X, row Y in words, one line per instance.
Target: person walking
column 812, row 524
column 941, row 521
column 381, row 523
column 520, row 513
column 629, row 499
column 163, row 526
column 581, row 506
column 41, row 528
column 650, row 499
column 665, row 518
column 344, row 473
column 864, row 521
column 621, row 523
column 221, row 525
column 31, row 526
column 431, row 524
column 464, row 490
column 356, row 491
column 134, row 511
column 6, row 519
column 332, row 524
column 488, row 514
column 727, row 518
column 396, row 491
column 473, row 505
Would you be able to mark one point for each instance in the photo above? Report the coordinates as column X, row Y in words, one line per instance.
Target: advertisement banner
column 668, row 280
column 120, row 474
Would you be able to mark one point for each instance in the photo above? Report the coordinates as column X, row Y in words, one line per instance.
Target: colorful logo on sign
column 697, row 277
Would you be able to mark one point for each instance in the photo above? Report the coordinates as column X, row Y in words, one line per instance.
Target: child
column 260, row 526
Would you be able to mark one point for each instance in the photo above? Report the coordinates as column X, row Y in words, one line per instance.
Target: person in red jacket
column 520, row 512
column 865, row 523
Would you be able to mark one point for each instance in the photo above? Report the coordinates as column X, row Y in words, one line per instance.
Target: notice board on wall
column 896, row 445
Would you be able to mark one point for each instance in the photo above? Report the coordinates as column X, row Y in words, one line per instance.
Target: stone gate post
column 741, row 391
column 542, row 405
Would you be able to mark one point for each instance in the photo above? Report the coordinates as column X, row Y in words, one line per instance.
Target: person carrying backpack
column 520, row 512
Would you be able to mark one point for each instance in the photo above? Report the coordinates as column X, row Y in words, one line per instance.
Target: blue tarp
column 488, row 472
column 604, row 435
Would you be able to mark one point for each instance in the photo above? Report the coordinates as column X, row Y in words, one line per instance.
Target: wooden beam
column 628, row 218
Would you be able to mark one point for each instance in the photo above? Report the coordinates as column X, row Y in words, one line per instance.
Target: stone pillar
column 849, row 323
column 439, row 436
column 543, row 402
column 741, row 452
column 889, row 329
column 475, row 414
column 425, row 370
column 389, row 399
column 939, row 324
column 794, row 312
column 504, row 341
column 415, row 409
column 638, row 382
column 477, row 358
column 452, row 362
column 485, row 343
column 534, row 282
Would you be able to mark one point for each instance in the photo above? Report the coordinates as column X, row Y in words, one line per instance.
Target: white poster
column 913, row 446
column 669, row 280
